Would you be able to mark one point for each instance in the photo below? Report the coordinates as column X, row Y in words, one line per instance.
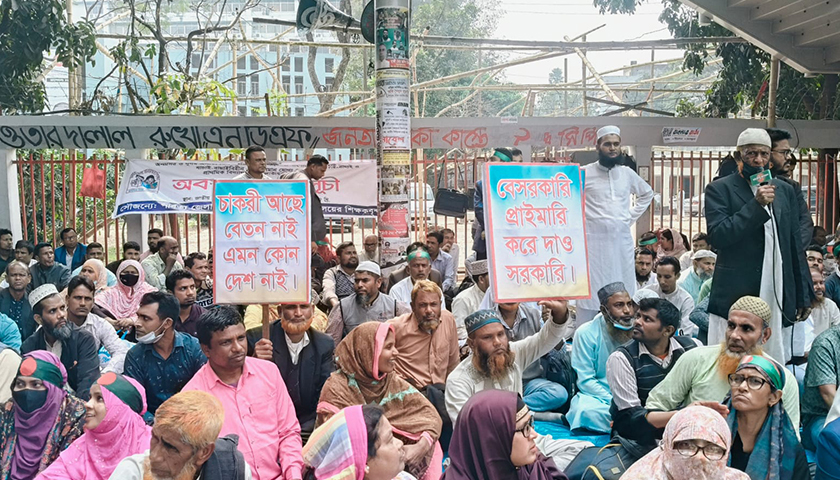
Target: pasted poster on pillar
column 392, row 109
column 262, row 241
column 392, row 33
column 172, row 186
column 536, row 238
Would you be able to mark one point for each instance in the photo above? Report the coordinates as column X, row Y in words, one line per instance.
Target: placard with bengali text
column 262, row 241
column 536, row 237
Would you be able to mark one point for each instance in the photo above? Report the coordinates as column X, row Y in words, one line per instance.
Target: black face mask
column 30, row 400
column 129, row 279
column 748, row 170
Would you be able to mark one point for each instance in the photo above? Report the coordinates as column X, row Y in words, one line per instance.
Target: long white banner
column 349, row 189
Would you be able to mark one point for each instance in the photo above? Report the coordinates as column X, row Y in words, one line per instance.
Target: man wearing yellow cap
column 609, row 217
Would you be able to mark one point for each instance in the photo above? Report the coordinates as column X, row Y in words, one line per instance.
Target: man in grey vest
column 366, row 304
column 638, row 366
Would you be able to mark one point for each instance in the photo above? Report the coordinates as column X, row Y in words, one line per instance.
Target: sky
column 553, row 19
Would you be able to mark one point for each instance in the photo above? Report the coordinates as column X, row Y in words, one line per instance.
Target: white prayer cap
column 369, row 267
column 608, row 130
column 754, row 136
column 703, row 254
column 642, row 294
column 478, row 267
column 41, row 293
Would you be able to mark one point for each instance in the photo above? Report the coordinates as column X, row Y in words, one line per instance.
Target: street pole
column 393, row 130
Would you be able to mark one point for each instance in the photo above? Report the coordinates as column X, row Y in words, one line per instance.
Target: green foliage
column 745, row 68
column 29, row 30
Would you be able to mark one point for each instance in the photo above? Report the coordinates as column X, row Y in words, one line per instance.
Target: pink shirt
column 259, row 410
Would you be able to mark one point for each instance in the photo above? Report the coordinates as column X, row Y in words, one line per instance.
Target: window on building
column 299, row 111
column 286, row 62
column 329, row 64
column 255, row 84
column 240, row 86
column 299, row 85
column 298, row 64
column 255, row 112
column 287, row 5
column 286, row 84
column 243, row 111
column 240, row 63
column 328, row 82
column 195, row 61
column 255, row 65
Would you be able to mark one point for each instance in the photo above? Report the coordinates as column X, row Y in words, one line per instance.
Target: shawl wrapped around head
column 357, row 382
column 122, row 433
column 101, row 282
column 483, row 439
column 676, row 251
column 337, row 450
column 664, row 463
column 123, row 301
column 774, row 454
column 33, row 428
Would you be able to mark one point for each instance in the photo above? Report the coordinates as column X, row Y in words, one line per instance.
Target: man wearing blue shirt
column 71, row 253
column 163, row 360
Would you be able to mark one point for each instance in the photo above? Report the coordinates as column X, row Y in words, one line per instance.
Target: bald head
column 371, row 244
column 168, row 246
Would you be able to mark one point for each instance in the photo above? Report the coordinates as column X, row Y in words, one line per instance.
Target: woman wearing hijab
column 95, row 271
column 493, row 439
column 356, row 443
column 365, row 362
column 123, row 300
column 40, row 421
column 670, row 244
column 114, row 430
column 764, row 443
column 694, row 446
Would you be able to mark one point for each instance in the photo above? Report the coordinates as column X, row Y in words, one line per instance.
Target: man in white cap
column 702, row 269
column 609, row 217
column 75, row 347
column 469, row 300
column 366, row 304
column 753, row 224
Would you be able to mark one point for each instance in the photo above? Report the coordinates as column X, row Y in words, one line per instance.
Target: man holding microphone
column 752, row 221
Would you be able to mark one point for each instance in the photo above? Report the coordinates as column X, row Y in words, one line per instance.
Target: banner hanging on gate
column 262, row 246
column 349, row 188
column 536, row 240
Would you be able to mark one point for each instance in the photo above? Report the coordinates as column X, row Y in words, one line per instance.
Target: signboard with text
column 262, row 241
column 172, row 186
column 536, row 238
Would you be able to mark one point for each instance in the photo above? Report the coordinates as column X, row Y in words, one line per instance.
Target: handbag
column 93, row 182
column 449, row 202
column 604, row 463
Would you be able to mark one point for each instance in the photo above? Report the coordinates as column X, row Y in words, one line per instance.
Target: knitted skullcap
column 753, row 305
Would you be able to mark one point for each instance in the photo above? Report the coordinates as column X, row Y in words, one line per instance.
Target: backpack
column 604, row 463
column 557, row 368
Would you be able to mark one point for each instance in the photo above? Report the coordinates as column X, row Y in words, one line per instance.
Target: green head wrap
column 42, row 370
column 768, row 369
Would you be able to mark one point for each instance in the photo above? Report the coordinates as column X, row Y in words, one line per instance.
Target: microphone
column 761, row 178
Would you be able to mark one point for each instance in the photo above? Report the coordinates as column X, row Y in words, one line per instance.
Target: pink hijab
column 101, row 282
column 692, row 423
column 676, row 250
column 95, row 455
column 123, row 301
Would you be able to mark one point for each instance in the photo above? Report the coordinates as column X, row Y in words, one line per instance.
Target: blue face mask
column 615, row 323
column 29, row 400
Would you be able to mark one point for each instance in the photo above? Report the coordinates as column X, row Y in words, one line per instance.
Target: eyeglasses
column 757, row 153
column 754, row 383
column 785, row 153
column 528, row 428
column 687, row 448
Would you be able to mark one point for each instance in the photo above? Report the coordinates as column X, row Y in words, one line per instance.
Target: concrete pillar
column 136, row 225
column 10, row 211
column 643, row 161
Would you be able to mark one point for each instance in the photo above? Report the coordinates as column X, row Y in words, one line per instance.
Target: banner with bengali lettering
column 262, row 246
column 349, row 188
column 536, row 238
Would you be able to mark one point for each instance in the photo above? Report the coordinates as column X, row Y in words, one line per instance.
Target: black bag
column 448, row 202
column 557, row 365
column 603, row 463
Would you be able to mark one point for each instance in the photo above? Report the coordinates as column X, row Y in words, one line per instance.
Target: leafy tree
column 29, row 30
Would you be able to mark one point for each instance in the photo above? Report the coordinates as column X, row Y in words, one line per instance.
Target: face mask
column 129, row 279
column 30, row 400
column 616, row 324
column 748, row 170
column 150, row 338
